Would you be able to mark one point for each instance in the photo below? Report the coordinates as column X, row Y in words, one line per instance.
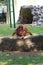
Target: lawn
column 13, row 59
column 5, row 29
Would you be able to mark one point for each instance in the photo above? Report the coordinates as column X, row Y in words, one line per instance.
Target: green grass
column 11, row 59
column 5, row 29
column 36, row 29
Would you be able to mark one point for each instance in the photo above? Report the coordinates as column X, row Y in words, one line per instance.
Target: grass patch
column 5, row 29
column 36, row 29
column 11, row 59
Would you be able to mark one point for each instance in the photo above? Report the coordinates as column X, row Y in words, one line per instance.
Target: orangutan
column 21, row 31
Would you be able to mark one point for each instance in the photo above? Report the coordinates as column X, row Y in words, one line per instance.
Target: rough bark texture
column 33, row 43
column 25, row 16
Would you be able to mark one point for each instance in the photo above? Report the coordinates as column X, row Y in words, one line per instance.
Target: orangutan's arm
column 28, row 31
